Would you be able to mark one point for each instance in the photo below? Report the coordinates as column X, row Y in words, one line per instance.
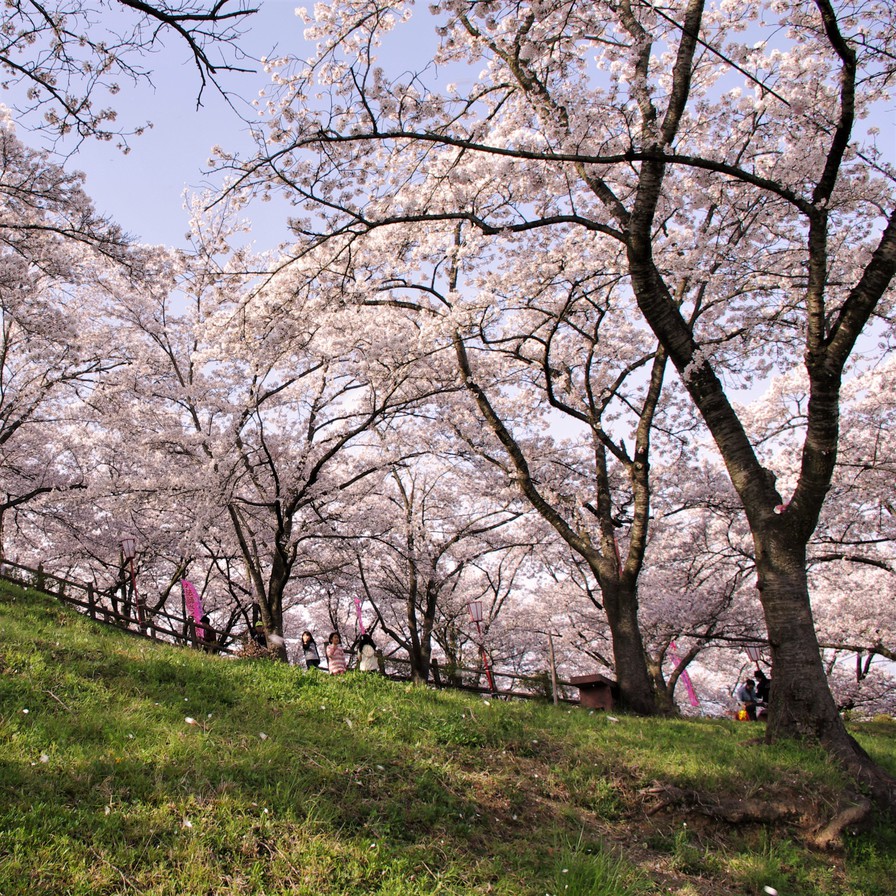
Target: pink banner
column 360, row 620
column 194, row 607
column 692, row 694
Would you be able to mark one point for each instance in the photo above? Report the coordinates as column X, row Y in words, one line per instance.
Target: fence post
column 39, row 580
column 91, row 600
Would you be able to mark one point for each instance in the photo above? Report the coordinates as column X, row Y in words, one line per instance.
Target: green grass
column 295, row 782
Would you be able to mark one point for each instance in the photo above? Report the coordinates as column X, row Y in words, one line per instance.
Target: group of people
column 753, row 695
column 337, row 663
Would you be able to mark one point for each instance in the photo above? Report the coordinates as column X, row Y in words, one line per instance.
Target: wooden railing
column 507, row 684
column 114, row 606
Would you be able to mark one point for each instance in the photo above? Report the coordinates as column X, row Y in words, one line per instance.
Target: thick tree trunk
column 636, row 692
column 801, row 704
column 272, row 611
column 420, row 665
column 800, row 700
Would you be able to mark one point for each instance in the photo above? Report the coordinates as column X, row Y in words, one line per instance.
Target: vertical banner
column 194, row 607
column 360, row 620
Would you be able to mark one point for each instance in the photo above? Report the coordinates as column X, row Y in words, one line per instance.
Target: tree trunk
column 663, row 691
column 800, row 702
column 419, row 649
column 420, row 668
column 419, row 646
column 269, row 599
column 272, row 612
column 636, row 692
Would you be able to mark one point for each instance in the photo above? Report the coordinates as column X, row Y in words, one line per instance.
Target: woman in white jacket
column 368, row 661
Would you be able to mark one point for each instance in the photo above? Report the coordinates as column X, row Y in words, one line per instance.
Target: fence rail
column 114, row 607
column 507, row 684
column 111, row 607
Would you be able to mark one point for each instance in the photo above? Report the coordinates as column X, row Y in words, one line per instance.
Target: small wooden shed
column 595, row 691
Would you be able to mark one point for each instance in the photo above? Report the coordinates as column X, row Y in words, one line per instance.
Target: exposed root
column 851, row 817
column 735, row 810
column 771, row 809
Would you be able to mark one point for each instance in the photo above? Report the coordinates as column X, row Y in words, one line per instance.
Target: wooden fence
column 507, row 684
column 114, row 606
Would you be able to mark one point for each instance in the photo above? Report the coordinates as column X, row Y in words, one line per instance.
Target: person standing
column 309, row 651
column 367, row 658
column 335, row 655
column 763, row 686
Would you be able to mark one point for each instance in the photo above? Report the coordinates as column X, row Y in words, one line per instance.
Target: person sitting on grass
column 746, row 693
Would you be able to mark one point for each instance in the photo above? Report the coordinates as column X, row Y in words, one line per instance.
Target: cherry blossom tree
column 431, row 525
column 564, row 352
column 60, row 266
column 547, row 345
column 713, row 149
column 251, row 402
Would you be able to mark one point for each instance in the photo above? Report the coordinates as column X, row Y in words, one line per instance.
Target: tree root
column 782, row 807
column 852, row 817
column 735, row 810
column 869, row 776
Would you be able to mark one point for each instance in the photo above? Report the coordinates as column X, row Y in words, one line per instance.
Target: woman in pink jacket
column 335, row 655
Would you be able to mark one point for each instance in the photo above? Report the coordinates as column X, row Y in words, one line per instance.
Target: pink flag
column 360, row 620
column 692, row 694
column 194, row 607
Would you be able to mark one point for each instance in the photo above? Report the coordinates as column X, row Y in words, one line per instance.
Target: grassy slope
column 293, row 782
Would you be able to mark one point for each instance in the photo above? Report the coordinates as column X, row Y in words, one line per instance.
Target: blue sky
column 143, row 191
